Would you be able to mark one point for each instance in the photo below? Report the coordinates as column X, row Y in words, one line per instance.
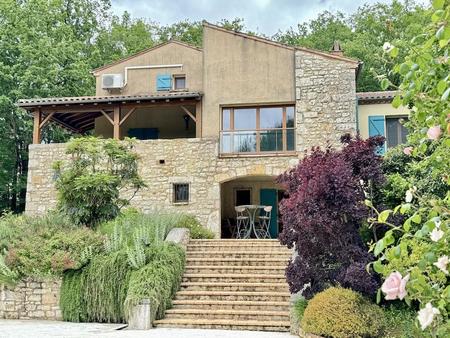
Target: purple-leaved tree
column 323, row 213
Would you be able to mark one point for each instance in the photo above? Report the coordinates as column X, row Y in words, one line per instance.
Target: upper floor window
column 258, row 129
column 390, row 127
column 179, row 82
column 395, row 131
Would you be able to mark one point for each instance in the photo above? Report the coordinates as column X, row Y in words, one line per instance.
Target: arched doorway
column 254, row 190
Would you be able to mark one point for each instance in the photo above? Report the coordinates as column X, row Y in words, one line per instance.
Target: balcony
column 263, row 141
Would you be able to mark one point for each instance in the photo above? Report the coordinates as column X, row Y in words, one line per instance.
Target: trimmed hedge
column 343, row 313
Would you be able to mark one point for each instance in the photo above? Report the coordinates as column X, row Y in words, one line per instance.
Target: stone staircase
column 232, row 284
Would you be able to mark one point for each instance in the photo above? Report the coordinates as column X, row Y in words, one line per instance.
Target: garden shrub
column 44, row 246
column 90, row 183
column 343, row 313
column 158, row 281
column 197, row 231
column 400, row 322
column 97, row 292
column 323, row 213
column 413, row 256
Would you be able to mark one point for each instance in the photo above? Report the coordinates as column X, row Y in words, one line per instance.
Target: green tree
column 91, row 183
column 362, row 35
column 45, row 51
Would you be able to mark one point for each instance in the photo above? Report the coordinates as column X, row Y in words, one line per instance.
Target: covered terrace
column 157, row 115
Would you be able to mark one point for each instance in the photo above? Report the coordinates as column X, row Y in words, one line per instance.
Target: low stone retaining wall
column 31, row 299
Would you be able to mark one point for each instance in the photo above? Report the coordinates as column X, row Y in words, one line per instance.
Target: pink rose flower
column 395, row 286
column 408, row 150
column 433, row 133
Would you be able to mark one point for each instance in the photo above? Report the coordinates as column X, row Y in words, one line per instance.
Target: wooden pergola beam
column 45, row 120
column 107, row 116
column 127, row 115
column 189, row 113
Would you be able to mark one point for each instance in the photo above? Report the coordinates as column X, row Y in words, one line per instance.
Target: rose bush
column 419, row 247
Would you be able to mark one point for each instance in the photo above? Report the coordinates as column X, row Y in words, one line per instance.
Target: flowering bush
column 323, row 214
column 413, row 257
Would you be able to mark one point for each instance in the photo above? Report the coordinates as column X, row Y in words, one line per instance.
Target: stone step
column 234, row 286
column 233, row 246
column 240, row 249
column 233, row 295
column 234, row 240
column 272, row 270
column 237, row 254
column 254, row 325
column 230, row 304
column 230, row 314
column 237, row 261
column 233, row 277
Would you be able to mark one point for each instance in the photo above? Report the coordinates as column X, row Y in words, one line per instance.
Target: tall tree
column 362, row 35
column 45, row 50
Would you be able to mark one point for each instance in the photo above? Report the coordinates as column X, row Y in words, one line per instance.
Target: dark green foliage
column 97, row 292
column 71, row 302
column 400, row 322
column 158, row 280
column 89, row 184
column 105, row 284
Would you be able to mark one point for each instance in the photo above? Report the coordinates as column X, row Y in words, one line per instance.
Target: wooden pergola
column 78, row 114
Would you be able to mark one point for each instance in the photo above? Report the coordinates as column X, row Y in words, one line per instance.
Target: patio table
column 252, row 209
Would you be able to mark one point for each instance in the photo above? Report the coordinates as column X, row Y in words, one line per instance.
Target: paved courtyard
column 41, row 328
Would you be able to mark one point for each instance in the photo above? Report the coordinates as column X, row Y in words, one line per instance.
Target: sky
column 262, row 16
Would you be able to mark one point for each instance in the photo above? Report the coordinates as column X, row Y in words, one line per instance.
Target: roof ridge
column 95, row 70
column 280, row 44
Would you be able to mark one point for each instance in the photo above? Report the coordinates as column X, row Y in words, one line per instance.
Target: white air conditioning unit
column 112, row 81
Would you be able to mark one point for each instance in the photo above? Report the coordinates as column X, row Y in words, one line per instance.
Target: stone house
column 215, row 124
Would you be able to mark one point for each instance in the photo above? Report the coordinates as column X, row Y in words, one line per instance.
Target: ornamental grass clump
column 343, row 313
column 323, row 213
column 158, row 281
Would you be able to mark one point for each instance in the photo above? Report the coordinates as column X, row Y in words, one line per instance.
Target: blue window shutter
column 376, row 127
column 163, row 82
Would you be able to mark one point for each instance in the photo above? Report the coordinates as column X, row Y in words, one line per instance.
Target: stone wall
column 31, row 299
column 325, row 100
column 193, row 161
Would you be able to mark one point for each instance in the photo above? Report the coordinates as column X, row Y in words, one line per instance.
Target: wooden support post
column 198, row 117
column 116, row 125
column 37, row 126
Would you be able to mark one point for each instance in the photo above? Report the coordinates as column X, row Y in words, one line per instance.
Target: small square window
column 180, row 192
column 180, row 82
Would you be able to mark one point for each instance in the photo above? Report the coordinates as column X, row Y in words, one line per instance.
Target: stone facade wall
column 193, row 161
column 31, row 299
column 325, row 100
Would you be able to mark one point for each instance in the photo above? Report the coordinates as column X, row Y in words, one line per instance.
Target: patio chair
column 262, row 230
column 242, row 222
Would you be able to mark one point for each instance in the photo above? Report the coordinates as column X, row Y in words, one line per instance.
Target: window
column 258, row 129
column 180, row 192
column 390, row 127
column 179, row 82
column 396, row 132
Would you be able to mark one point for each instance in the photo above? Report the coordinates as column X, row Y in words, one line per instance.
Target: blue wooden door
column 270, row 197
